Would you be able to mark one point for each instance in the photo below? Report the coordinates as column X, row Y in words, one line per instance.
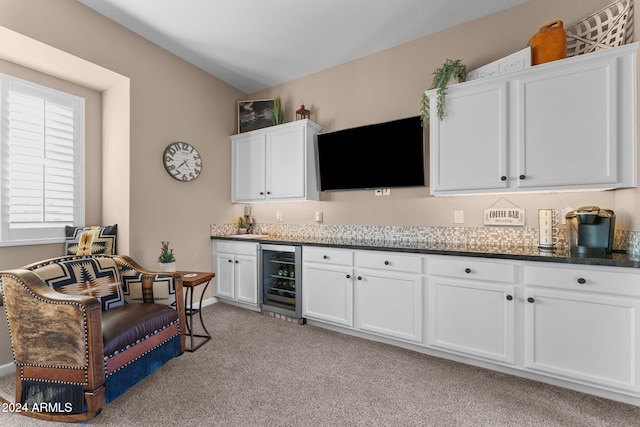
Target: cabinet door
column 472, row 318
column 588, row 337
column 469, row 145
column 567, row 126
column 389, row 304
column 286, row 154
column 328, row 293
column 248, row 168
column 246, row 275
column 224, row 275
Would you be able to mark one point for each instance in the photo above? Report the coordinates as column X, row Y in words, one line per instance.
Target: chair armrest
column 53, row 334
column 142, row 285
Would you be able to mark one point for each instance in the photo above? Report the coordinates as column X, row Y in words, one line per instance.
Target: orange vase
column 549, row 43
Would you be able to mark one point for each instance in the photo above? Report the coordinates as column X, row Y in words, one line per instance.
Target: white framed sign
column 504, row 216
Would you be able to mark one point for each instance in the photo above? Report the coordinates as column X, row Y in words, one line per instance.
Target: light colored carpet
column 260, row 371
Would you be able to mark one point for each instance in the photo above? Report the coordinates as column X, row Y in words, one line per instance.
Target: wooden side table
column 191, row 279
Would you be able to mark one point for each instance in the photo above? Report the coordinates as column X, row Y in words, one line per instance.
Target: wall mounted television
column 382, row 155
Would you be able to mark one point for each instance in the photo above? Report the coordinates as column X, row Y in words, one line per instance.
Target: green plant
column 167, row 254
column 242, row 222
column 277, row 111
column 450, row 69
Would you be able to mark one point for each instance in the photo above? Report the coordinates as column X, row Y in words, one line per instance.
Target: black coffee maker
column 590, row 231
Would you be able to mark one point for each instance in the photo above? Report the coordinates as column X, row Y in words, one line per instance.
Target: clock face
column 182, row 161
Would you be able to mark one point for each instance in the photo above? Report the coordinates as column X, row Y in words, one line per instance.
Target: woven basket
column 609, row 27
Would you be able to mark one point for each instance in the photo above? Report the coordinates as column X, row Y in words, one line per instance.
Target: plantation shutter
column 43, row 139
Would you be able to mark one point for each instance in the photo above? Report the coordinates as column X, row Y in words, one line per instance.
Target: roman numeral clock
column 182, row 161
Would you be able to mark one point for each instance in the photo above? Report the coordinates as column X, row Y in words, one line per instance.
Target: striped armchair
column 85, row 329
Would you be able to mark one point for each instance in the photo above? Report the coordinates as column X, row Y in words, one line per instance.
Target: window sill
column 29, row 242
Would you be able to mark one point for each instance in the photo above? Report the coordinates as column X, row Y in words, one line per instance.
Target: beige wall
column 388, row 85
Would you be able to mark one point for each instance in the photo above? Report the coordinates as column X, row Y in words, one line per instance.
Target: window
column 41, row 162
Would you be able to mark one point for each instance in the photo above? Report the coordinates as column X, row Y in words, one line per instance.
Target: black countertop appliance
column 590, row 231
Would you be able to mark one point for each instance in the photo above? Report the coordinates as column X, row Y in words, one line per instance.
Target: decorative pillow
column 96, row 240
column 142, row 287
column 97, row 277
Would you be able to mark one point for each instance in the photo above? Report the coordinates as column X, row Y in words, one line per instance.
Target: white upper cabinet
column 469, row 146
column 248, row 168
column 275, row 163
column 568, row 124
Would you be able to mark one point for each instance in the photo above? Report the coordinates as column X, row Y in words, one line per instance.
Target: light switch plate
column 458, row 217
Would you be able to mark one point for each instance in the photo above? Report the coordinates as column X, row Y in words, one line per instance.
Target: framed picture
column 254, row 115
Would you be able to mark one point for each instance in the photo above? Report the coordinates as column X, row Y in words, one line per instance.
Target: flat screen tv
column 382, row 155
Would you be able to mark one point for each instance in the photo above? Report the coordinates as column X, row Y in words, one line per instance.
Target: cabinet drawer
column 389, row 261
column 236, row 247
column 585, row 278
column 327, row 256
column 466, row 269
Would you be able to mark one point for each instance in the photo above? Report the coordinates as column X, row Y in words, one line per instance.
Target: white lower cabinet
column 574, row 331
column 389, row 303
column 327, row 289
column 388, row 294
column 224, row 280
column 376, row 292
column 470, row 308
column 236, row 267
column 328, row 293
column 475, row 319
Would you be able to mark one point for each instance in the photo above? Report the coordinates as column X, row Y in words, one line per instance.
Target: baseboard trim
column 206, row 302
column 209, row 301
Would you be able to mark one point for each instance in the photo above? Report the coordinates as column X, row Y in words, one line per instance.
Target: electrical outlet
column 278, row 216
column 386, row 191
column 318, row 216
column 458, row 217
column 378, row 192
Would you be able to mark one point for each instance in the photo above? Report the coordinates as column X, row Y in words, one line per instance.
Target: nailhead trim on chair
column 86, row 342
column 22, row 377
column 106, row 358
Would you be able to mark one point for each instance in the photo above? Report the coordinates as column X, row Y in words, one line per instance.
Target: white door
column 472, row 318
column 248, row 168
column 286, row 163
column 469, row 145
column 224, row 275
column 246, row 278
column 567, row 126
column 587, row 337
column 389, row 304
column 328, row 294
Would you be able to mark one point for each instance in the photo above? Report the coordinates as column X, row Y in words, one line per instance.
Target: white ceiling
column 255, row 44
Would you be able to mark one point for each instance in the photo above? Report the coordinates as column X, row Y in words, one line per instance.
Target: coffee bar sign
column 504, row 216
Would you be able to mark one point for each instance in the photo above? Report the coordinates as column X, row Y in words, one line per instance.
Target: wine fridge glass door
column 281, row 281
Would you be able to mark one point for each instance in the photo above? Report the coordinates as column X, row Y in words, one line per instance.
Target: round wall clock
column 182, row 161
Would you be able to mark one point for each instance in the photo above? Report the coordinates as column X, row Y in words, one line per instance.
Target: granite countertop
column 513, row 252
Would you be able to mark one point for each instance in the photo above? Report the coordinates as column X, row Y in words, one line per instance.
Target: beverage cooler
column 281, row 281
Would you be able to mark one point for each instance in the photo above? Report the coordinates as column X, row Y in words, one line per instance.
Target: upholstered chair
column 85, row 329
